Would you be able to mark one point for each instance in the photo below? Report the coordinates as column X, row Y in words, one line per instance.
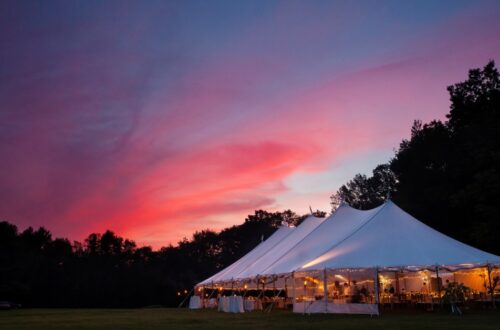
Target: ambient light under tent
column 351, row 262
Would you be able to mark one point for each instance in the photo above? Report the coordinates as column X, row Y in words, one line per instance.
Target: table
column 252, row 304
column 231, row 304
column 194, row 302
column 210, row 303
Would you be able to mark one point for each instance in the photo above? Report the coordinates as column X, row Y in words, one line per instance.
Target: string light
column 422, row 274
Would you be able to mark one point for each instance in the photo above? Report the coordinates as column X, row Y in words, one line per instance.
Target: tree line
column 107, row 270
column 446, row 174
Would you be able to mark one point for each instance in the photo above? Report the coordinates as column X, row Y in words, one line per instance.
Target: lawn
column 163, row 318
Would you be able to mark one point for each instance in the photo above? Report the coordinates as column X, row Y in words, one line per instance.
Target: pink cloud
column 157, row 152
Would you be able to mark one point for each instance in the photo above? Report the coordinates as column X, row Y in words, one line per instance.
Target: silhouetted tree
column 447, row 173
column 366, row 192
column 110, row 271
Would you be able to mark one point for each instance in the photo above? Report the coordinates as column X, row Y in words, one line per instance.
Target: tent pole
column 286, row 287
column 438, row 285
column 293, row 290
column 396, row 275
column 257, row 281
column 271, row 305
column 211, row 293
column 404, row 280
column 275, row 295
column 325, row 289
column 202, row 297
column 303, row 300
column 244, row 290
column 258, row 287
column 491, row 287
column 263, row 292
column 377, row 293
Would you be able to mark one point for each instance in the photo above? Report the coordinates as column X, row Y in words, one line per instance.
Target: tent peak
column 343, row 203
column 388, row 195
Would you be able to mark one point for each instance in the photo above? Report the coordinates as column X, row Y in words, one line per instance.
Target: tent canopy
column 340, row 224
column 385, row 236
column 393, row 238
column 248, row 259
column 285, row 245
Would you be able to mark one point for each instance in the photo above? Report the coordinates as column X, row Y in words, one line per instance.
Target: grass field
column 41, row 319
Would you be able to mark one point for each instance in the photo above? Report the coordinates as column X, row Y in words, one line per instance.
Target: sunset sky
column 156, row 119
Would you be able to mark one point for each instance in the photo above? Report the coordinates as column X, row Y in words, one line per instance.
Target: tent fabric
column 281, row 248
column 384, row 237
column 393, row 238
column 341, row 223
column 241, row 264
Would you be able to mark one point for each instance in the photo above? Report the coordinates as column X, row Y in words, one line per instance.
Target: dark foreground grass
column 41, row 319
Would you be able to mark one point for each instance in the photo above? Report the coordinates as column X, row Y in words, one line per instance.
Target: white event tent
column 393, row 238
column 353, row 260
column 251, row 257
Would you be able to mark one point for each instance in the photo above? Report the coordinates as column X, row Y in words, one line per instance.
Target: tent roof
column 385, row 236
column 249, row 258
column 277, row 251
column 393, row 238
column 341, row 223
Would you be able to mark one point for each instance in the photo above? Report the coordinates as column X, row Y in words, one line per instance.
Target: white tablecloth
column 232, row 304
column 319, row 306
column 210, row 303
column 194, row 302
column 251, row 305
column 302, row 306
